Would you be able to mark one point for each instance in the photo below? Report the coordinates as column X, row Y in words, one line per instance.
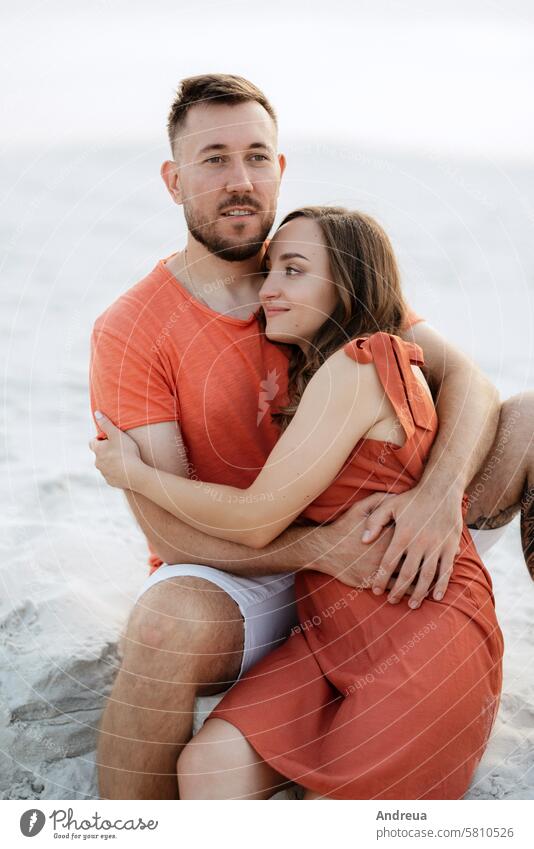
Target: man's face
column 228, row 177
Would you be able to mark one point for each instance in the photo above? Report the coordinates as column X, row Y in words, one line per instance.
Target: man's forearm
column 336, row 549
column 468, row 414
column 176, row 542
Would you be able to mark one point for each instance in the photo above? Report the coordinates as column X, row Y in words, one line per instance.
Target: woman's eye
column 291, row 271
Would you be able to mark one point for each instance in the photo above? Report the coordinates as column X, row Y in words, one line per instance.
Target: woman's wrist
column 138, row 475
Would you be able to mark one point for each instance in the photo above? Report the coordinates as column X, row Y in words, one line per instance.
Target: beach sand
column 82, row 226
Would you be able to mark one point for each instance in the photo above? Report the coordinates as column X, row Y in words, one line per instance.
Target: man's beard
column 225, row 247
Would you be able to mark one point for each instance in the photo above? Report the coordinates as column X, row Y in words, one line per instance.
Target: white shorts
column 486, row 539
column 267, row 603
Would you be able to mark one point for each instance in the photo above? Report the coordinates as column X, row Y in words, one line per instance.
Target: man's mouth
column 238, row 212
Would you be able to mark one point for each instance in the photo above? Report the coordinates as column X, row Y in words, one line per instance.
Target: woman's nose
column 270, row 288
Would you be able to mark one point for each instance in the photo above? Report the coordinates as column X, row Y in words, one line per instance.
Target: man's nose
column 238, row 178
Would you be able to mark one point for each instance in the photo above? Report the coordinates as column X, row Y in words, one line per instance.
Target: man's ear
column 169, row 175
column 282, row 163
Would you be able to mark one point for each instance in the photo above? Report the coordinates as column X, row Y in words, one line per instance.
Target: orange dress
column 369, row 700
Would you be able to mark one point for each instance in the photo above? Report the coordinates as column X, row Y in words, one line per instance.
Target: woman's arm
column 341, row 403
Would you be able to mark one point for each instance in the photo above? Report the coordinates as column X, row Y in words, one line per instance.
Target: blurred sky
column 448, row 76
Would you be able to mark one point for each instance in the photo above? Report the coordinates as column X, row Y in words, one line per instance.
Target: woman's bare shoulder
column 348, row 380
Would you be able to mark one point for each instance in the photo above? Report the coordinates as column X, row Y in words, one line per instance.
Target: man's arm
column 129, row 383
column 428, row 519
column 467, row 404
column 336, row 549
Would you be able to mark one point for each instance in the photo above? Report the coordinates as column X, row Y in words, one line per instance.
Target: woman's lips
column 275, row 310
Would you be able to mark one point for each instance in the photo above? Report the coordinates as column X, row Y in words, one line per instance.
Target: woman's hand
column 116, row 457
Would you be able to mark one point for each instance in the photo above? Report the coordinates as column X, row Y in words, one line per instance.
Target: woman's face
column 298, row 294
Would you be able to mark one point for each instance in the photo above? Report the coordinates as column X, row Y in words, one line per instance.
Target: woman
column 365, row 699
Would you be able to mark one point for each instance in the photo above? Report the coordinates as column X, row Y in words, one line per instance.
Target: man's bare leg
column 184, row 638
column 505, row 483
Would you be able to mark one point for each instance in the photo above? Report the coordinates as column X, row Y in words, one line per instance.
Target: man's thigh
column 496, row 492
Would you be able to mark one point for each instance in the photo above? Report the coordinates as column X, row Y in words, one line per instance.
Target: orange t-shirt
column 158, row 354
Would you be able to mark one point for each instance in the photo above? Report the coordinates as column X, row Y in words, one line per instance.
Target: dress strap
column 393, row 359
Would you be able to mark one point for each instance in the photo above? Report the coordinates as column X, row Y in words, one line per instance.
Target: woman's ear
column 170, row 176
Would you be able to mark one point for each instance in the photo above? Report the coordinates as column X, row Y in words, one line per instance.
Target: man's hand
column 343, row 555
column 426, row 539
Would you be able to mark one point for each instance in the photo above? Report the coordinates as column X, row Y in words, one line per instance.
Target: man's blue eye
column 258, row 156
column 214, row 158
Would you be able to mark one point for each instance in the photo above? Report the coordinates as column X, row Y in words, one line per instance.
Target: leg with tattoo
column 527, row 528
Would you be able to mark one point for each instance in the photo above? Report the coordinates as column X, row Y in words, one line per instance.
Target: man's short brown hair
column 216, row 88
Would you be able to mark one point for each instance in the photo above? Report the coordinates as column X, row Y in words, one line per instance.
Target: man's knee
column 522, row 402
column 515, row 441
column 496, row 491
column 517, row 418
column 183, row 622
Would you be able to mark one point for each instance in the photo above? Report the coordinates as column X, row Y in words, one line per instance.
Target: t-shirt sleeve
column 129, row 384
column 411, row 318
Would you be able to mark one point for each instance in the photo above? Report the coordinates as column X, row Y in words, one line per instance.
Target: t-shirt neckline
column 242, row 322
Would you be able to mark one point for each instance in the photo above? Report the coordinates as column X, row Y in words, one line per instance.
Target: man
column 179, row 362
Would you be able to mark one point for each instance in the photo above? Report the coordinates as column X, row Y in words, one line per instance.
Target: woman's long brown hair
column 364, row 270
